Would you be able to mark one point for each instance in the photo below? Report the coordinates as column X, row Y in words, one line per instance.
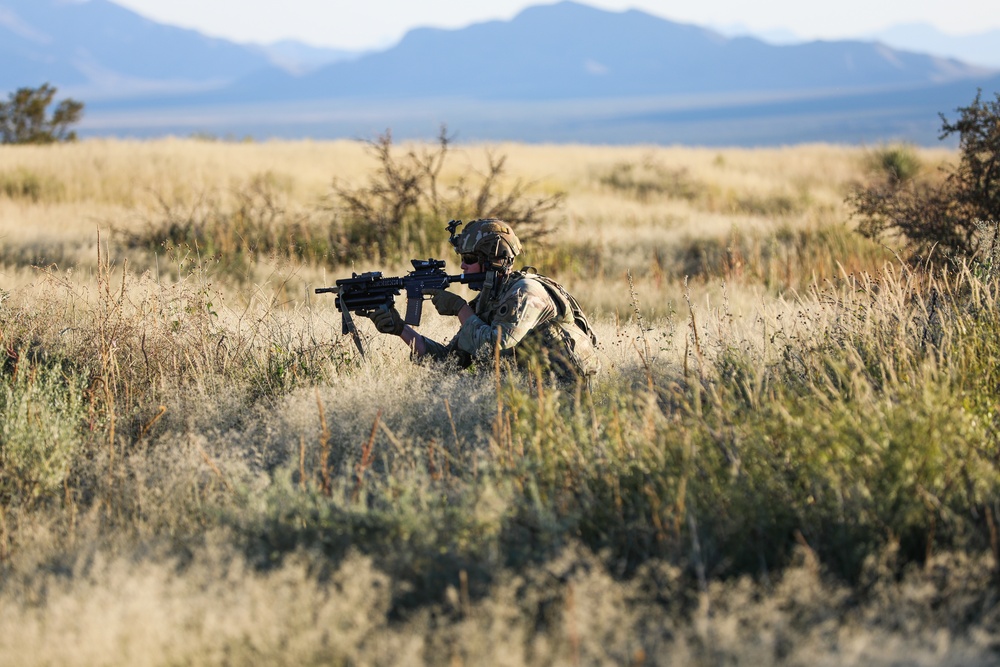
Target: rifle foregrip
column 414, row 309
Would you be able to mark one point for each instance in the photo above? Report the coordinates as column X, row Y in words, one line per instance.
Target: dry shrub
column 404, row 203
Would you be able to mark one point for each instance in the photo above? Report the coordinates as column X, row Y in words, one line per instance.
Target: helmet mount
column 452, row 229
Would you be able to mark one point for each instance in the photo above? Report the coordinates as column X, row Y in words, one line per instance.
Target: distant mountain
column 299, row 58
column 780, row 36
column 564, row 71
column 979, row 49
column 565, row 50
column 97, row 48
column 569, row 50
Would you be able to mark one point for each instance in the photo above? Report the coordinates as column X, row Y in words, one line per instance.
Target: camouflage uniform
column 527, row 317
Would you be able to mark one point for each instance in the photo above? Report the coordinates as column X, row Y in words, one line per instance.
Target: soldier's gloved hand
column 447, row 303
column 387, row 320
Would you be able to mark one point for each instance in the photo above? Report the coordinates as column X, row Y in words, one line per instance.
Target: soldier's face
column 470, row 268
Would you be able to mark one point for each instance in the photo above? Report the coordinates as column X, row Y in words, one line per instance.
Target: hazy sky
column 358, row 24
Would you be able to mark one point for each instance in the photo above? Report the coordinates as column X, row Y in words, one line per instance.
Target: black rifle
column 365, row 293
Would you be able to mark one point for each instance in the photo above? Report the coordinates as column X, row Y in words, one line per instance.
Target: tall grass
column 869, row 433
column 798, row 466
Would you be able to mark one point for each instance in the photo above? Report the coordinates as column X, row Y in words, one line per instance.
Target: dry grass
column 230, row 613
column 788, row 459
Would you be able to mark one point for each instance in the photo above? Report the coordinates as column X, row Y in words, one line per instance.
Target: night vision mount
column 452, row 229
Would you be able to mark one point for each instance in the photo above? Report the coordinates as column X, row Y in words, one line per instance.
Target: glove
column 387, row 320
column 447, row 303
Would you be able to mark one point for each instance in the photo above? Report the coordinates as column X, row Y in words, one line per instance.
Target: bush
column 898, row 163
column 23, row 120
column 945, row 215
column 42, row 414
column 404, row 205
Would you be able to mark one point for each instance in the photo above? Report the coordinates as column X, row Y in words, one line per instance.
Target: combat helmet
column 492, row 239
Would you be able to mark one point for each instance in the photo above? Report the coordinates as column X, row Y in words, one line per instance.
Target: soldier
column 526, row 316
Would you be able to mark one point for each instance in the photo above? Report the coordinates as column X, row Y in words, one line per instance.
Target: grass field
column 790, row 456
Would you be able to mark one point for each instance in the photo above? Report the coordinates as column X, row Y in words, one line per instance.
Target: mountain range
column 97, row 48
column 559, row 72
column 572, row 51
column 982, row 48
column 979, row 49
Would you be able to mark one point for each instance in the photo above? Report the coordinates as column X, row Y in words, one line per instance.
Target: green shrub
column 941, row 216
column 896, row 163
column 42, row 414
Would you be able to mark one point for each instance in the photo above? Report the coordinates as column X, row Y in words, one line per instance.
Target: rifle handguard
column 363, row 293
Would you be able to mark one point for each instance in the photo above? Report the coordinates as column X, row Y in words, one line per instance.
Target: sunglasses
column 470, row 259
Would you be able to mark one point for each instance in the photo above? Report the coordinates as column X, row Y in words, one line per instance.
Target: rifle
column 363, row 294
